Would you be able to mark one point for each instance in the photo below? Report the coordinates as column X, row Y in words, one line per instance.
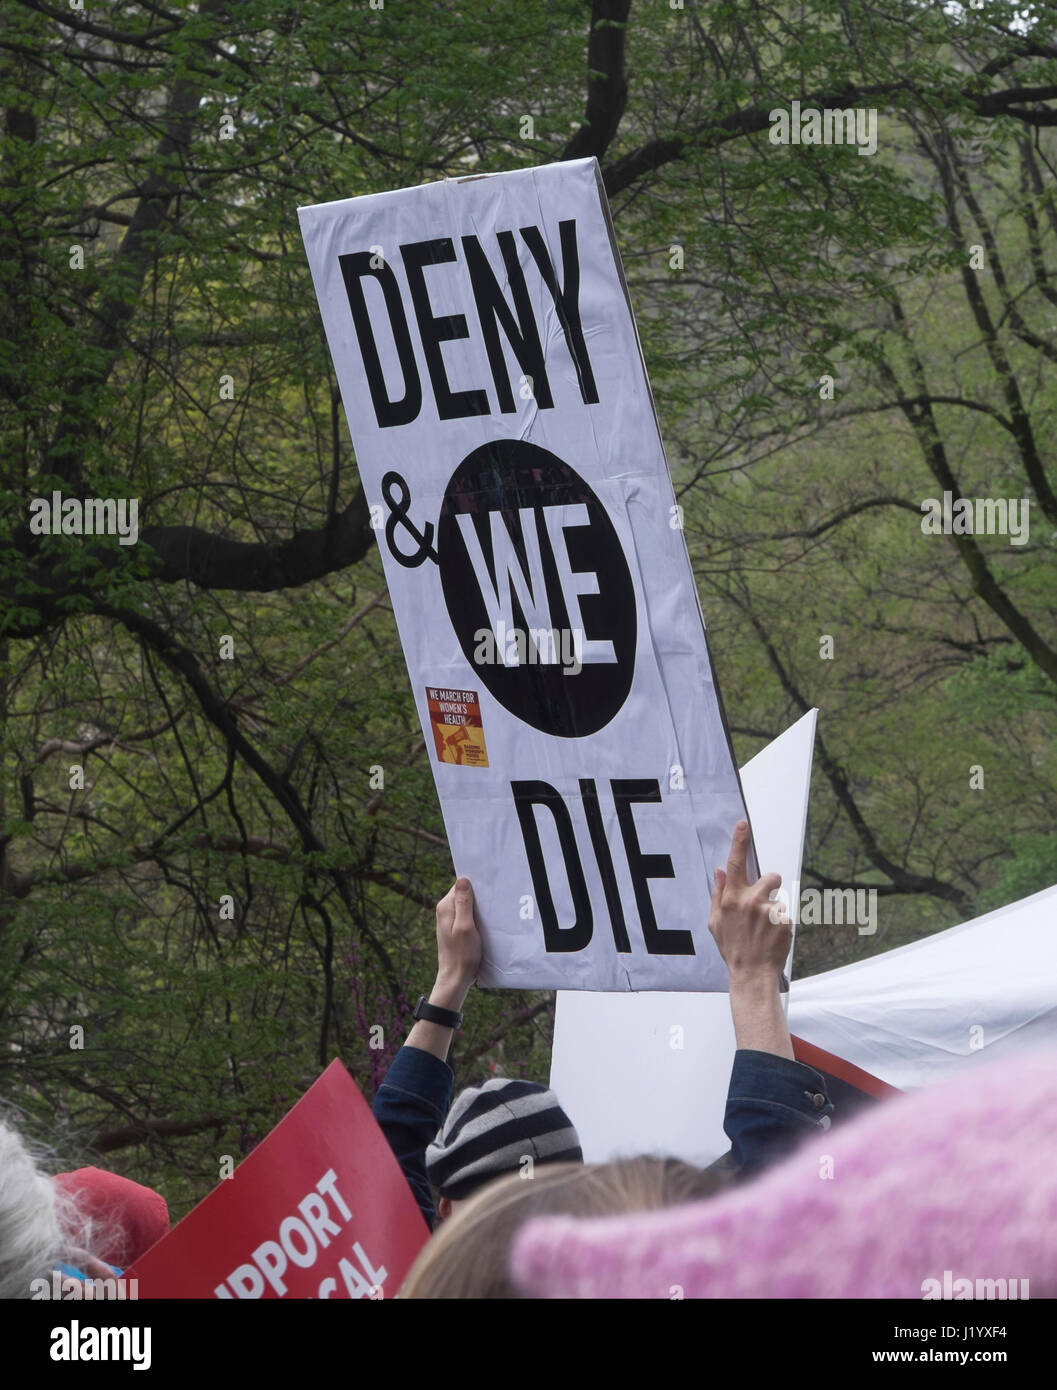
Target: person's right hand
column 753, row 933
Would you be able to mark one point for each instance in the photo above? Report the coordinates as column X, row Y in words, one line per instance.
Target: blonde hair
column 468, row 1256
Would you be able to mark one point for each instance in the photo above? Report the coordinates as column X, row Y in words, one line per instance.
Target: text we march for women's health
column 507, row 442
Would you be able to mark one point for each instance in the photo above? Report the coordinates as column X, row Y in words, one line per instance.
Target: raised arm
column 458, row 961
column 412, row 1101
column 774, row 1101
column 754, row 935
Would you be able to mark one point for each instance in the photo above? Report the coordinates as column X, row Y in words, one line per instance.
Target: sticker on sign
column 507, row 442
column 456, row 719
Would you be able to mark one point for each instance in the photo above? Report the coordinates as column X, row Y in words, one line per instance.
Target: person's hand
column 458, row 961
column 753, row 932
column 88, row 1264
column 458, row 942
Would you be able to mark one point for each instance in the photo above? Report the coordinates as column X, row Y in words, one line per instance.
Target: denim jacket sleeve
column 772, row 1103
column 410, row 1106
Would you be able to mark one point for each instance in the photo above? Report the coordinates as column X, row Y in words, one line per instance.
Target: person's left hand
column 459, row 943
column 90, row 1265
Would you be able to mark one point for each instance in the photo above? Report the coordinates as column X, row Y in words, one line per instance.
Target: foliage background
column 173, row 143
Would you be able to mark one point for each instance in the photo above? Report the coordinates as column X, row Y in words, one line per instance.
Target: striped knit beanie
column 491, row 1128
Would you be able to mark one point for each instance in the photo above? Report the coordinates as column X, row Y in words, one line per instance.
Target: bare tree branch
column 607, row 88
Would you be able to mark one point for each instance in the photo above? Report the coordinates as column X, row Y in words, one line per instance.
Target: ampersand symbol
column 398, row 504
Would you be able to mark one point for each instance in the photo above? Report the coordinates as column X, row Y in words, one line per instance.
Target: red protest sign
column 319, row 1209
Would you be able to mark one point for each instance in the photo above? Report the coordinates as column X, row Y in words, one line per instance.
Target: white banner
column 507, row 442
column 919, row 1014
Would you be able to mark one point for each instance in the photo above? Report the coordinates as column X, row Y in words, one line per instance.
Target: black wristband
column 432, row 1013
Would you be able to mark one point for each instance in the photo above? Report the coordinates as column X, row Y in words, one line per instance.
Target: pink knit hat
column 953, row 1182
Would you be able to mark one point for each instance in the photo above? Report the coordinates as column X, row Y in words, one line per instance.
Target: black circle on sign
column 519, row 481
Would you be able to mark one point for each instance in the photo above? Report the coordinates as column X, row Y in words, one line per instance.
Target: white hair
column 38, row 1222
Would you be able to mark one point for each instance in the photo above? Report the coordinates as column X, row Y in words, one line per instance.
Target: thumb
column 446, row 910
column 463, row 902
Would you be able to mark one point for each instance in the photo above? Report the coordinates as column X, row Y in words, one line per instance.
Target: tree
column 230, row 686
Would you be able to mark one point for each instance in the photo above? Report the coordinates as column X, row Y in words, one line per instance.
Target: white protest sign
column 507, row 443
column 648, row 1073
